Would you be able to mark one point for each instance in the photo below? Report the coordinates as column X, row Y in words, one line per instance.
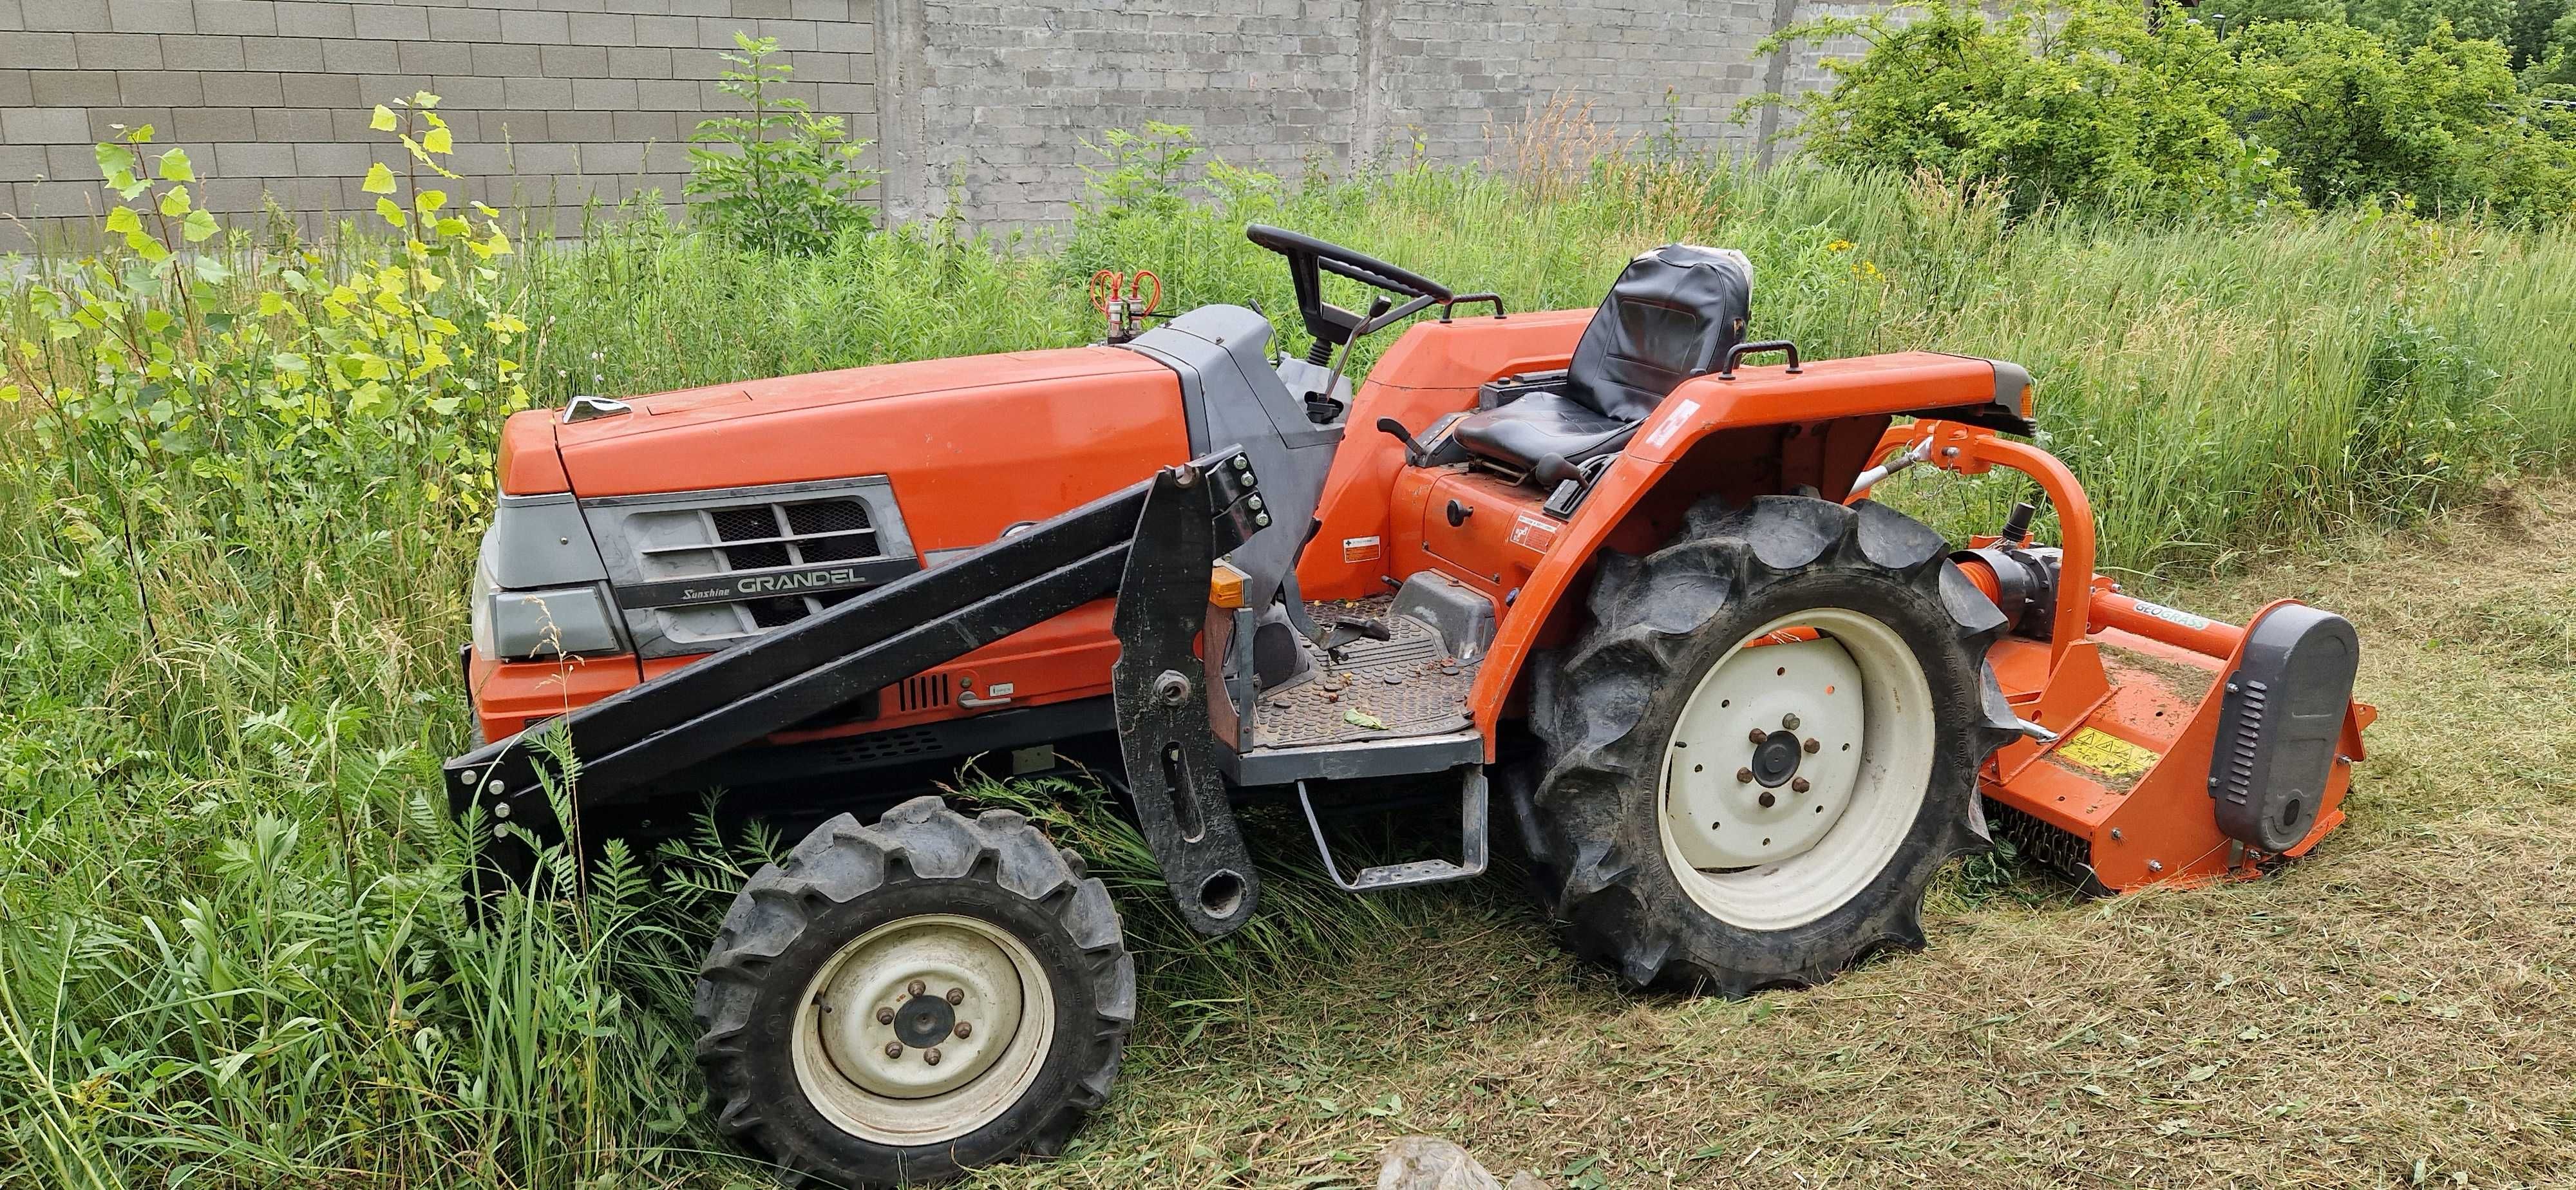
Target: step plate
column 1408, row 683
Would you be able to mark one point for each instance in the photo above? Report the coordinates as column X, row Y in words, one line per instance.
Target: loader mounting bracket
column 1163, row 733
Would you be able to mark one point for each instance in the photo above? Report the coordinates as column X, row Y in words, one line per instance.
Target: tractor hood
column 1005, row 418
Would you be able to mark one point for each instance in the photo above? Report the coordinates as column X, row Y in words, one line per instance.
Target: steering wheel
column 1309, row 258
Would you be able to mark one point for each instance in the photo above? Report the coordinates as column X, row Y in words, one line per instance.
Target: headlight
column 520, row 625
column 478, row 598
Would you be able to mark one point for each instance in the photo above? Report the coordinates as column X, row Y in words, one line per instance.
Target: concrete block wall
column 1458, row 74
column 988, row 100
column 980, row 102
column 554, row 103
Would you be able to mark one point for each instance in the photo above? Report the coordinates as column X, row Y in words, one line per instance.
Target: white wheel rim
column 1838, row 814
column 909, row 984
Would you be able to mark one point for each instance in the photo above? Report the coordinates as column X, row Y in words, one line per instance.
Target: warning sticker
column 2106, row 754
column 1672, row 423
column 1531, row 533
column 1359, row 549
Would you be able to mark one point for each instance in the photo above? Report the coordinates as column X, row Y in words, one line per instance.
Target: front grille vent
column 762, row 537
column 922, row 692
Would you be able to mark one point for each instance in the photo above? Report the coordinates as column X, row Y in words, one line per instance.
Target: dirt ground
column 2391, row 1011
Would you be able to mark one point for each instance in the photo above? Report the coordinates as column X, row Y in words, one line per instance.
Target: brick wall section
column 553, row 102
column 1011, row 87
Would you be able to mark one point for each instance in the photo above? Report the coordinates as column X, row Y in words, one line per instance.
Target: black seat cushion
column 1673, row 314
column 1539, row 425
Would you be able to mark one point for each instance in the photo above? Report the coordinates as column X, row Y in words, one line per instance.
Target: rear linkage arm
column 1151, row 544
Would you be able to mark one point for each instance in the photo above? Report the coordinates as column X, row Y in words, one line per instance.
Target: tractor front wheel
column 902, row 1002
column 1764, row 746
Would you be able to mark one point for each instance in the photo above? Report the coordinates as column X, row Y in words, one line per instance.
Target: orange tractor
column 1738, row 715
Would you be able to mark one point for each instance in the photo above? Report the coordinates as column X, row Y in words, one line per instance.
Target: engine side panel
column 943, row 456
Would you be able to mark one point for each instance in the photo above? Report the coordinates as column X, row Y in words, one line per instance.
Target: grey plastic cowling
column 2280, row 725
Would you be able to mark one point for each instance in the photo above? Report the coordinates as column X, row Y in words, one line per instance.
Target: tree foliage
column 2104, row 105
column 2355, row 118
column 2097, row 110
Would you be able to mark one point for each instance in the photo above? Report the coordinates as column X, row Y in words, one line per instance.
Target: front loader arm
column 621, row 745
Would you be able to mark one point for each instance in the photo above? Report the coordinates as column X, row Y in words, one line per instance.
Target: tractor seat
column 1673, row 314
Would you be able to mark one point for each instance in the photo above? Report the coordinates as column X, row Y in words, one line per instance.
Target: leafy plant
column 2099, row 107
column 1139, row 174
column 168, row 358
column 780, row 179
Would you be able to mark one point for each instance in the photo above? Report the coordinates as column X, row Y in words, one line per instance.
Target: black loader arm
column 1151, row 544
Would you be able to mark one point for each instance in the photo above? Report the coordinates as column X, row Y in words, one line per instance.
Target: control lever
column 1415, row 454
column 1566, row 481
column 2017, row 526
column 1377, row 309
column 1351, row 630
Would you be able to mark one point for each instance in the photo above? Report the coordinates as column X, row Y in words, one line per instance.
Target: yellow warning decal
column 2106, row 754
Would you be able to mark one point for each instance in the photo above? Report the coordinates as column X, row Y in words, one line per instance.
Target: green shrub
column 2552, row 73
column 2442, row 124
column 2412, row 22
column 2108, row 110
column 781, row 179
column 2100, row 111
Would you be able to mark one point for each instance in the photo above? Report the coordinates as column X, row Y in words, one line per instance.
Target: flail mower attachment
column 2159, row 746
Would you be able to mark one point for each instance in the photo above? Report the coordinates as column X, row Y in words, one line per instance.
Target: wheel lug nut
column 894, row 1049
column 964, row 1030
column 914, row 987
column 1798, row 786
column 1756, row 735
column 1813, row 745
column 1744, row 775
column 1767, row 799
column 931, row 1055
column 956, row 995
column 885, row 1016
column 1788, row 723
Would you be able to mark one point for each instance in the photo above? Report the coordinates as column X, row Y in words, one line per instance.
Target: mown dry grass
column 2391, row 1011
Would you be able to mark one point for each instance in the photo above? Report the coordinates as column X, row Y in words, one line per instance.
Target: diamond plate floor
column 1406, row 685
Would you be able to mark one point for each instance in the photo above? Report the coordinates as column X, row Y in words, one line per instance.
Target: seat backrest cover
column 1673, row 314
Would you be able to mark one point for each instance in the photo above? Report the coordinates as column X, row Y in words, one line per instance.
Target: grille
column 722, row 540
column 884, row 745
column 922, row 692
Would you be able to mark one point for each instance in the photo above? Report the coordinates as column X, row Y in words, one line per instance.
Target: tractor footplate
column 1367, row 689
column 1471, row 845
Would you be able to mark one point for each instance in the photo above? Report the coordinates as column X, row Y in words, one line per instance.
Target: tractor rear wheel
column 902, row 1002
column 1764, row 746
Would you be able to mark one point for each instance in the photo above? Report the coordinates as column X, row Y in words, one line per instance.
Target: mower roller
column 1595, row 561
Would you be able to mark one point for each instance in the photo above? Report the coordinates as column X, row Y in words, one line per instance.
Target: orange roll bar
column 2085, row 603
column 1971, row 450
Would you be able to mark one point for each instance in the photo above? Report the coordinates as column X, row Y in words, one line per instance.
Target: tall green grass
column 231, row 953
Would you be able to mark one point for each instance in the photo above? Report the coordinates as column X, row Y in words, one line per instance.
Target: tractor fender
column 1954, row 387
